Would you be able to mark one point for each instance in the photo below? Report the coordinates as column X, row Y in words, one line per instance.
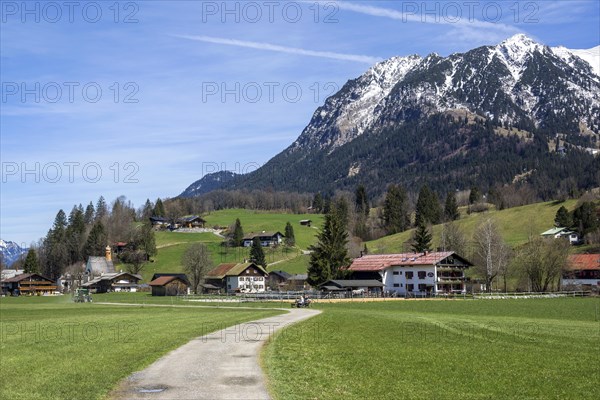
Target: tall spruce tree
column 90, row 211
column 257, row 255
column 101, row 209
column 96, row 241
column 421, row 239
column 329, row 255
column 290, row 237
column 563, row 218
column 317, row 203
column 75, row 235
column 31, row 264
column 57, row 254
column 159, row 208
column 451, row 207
column 395, row 210
column 428, row 207
column 238, row 233
column 475, row 195
column 361, row 201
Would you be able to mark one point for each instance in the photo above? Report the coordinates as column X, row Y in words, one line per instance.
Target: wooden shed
column 169, row 285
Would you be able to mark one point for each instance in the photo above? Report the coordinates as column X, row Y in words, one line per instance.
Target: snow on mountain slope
column 591, row 56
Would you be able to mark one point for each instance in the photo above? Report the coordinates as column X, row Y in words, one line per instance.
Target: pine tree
column 317, row 203
column 342, row 211
column 428, row 207
column 147, row 210
column 329, row 255
column 290, row 238
column 563, row 218
column 101, row 209
column 31, row 264
column 421, row 239
column 238, row 233
column 75, row 235
column 395, row 210
column 88, row 217
column 475, row 195
column 57, row 255
column 451, row 207
column 159, row 208
column 257, row 255
column 361, row 201
column 96, row 241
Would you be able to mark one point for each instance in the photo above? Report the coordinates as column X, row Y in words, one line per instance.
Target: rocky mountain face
column 10, row 251
column 519, row 98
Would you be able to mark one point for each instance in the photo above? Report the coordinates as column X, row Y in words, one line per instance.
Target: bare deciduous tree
column 542, row 261
column 196, row 261
column 453, row 239
column 490, row 254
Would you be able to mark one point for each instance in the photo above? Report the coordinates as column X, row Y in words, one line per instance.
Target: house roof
column 555, row 231
column 163, row 280
column 22, row 277
column 158, row 219
column 298, row 277
column 224, row 270
column 282, row 274
column 99, row 265
column 378, row 262
column 190, row 218
column 252, row 235
column 111, row 277
column 350, row 283
column 180, row 276
column 584, row 261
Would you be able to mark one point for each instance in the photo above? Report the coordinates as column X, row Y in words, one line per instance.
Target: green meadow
column 441, row 349
column 52, row 348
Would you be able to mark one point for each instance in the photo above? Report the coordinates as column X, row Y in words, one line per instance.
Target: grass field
column 54, row 349
column 515, row 225
column 484, row 349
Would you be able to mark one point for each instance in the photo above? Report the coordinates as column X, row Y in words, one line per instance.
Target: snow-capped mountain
column 409, row 115
column 11, row 251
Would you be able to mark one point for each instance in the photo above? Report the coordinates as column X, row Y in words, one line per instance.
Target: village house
column 242, row 277
column 28, row 284
column 114, row 282
column 278, row 280
column 266, row 238
column 159, row 223
column 191, row 221
column 97, row 266
column 169, row 285
column 583, row 272
column 416, row 274
column 557, row 233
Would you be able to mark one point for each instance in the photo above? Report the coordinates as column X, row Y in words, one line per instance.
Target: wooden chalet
column 31, row 284
column 242, row 277
column 159, row 222
column 191, row 221
column 169, row 285
column 114, row 282
column 266, row 238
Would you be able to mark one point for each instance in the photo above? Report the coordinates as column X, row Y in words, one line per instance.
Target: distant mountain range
column 487, row 117
column 11, row 251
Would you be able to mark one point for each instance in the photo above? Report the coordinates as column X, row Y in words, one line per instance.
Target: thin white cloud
column 283, row 49
column 412, row 14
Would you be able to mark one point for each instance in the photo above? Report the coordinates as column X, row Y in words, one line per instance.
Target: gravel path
column 220, row 365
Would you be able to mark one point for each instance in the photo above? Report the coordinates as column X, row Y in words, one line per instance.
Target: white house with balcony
column 242, row 277
column 417, row 274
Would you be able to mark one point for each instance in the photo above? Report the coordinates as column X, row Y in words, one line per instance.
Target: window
column 422, row 287
column 242, row 278
column 396, row 285
column 396, row 273
column 422, row 274
column 410, row 287
column 409, row 274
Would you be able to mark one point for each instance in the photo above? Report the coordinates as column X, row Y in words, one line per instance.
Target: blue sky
column 153, row 94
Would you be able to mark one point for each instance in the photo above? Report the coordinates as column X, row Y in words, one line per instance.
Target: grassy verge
column 542, row 348
column 54, row 349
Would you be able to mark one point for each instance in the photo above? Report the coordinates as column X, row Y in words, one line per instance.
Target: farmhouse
column 414, row 273
column 266, row 238
column 191, row 221
column 159, row 222
column 583, row 271
column 169, row 284
column 565, row 233
column 28, row 284
column 278, row 279
column 114, row 282
column 243, row 277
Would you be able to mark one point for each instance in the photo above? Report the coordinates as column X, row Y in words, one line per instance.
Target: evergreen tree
column 317, row 203
column 147, row 210
column 88, row 217
column 238, row 233
column 101, row 209
column 421, row 239
column 75, row 235
column 361, row 201
column 57, row 255
column 257, row 255
column 96, row 241
column 451, row 207
column 341, row 211
column 329, row 254
column 585, row 218
column 395, row 210
column 326, row 205
column 290, row 238
column 563, row 218
column 159, row 208
column 31, row 264
column 475, row 195
column 428, row 207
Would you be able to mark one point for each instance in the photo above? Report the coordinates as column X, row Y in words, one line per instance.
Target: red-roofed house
column 414, row 273
column 582, row 270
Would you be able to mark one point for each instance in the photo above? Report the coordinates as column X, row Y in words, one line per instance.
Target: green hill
column 515, row 224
